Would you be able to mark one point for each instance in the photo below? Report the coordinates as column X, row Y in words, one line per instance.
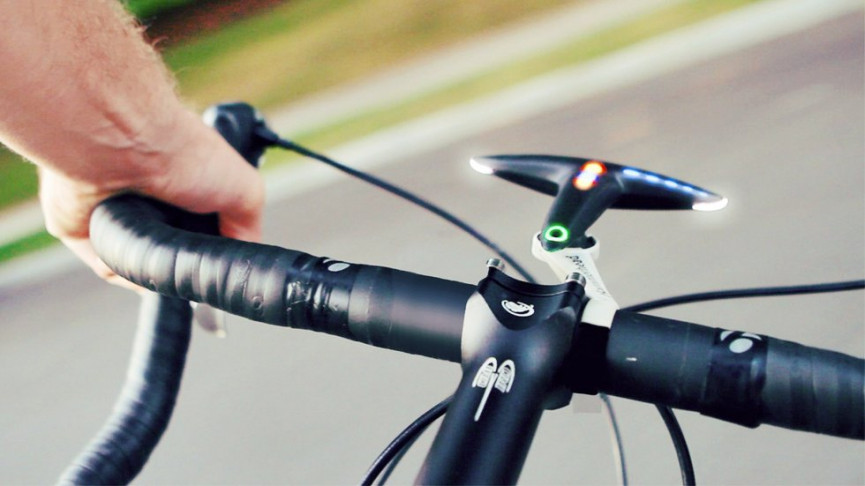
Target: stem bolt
column 496, row 263
column 576, row 277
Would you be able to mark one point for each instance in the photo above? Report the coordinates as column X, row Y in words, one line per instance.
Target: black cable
column 398, row 191
column 402, row 440
column 752, row 292
column 686, row 466
column 619, row 450
column 394, row 463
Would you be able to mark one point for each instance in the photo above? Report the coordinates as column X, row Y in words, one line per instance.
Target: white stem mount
column 601, row 307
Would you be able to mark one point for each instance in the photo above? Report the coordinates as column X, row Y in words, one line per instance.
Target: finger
column 240, row 210
column 65, row 206
column 225, row 185
column 241, row 224
column 206, row 176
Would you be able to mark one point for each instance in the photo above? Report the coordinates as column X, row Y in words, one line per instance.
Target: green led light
column 556, row 233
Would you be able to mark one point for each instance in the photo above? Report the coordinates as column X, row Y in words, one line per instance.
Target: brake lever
column 239, row 124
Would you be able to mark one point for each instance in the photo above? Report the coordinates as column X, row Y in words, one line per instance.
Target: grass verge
column 26, row 245
column 464, row 90
column 18, row 181
column 304, row 46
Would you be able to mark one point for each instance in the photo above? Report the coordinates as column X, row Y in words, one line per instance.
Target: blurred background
column 761, row 101
column 277, row 53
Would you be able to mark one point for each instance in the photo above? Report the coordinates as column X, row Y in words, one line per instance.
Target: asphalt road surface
column 777, row 128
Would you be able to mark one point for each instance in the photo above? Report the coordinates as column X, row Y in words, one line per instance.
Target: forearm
column 82, row 94
column 85, row 98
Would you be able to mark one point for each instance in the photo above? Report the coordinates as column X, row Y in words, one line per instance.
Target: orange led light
column 594, row 167
column 589, row 174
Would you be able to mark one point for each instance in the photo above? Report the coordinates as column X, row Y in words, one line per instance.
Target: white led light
column 713, row 205
column 483, row 169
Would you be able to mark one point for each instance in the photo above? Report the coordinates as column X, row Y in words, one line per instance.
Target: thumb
column 218, row 181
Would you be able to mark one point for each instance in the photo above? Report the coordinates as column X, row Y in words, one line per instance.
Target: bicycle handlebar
column 119, row 450
column 738, row 377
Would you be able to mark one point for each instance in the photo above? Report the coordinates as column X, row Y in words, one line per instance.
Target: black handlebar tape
column 738, row 377
column 734, row 376
column 141, row 413
column 375, row 305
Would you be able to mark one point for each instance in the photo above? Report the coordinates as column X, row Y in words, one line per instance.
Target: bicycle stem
column 516, row 337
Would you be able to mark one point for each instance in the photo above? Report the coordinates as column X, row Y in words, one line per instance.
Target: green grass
column 305, row 46
column 26, row 245
column 18, row 181
column 147, row 8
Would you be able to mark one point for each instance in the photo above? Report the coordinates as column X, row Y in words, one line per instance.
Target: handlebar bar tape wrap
column 142, row 411
column 279, row 286
column 738, row 377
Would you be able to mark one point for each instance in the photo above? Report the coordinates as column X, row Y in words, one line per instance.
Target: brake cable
column 749, row 292
column 275, row 139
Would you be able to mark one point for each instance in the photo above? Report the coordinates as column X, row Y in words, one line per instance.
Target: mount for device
column 601, row 307
column 585, row 188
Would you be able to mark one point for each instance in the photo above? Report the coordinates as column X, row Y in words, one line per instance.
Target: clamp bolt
column 576, row 277
column 496, row 263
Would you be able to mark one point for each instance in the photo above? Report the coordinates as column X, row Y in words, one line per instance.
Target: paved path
column 269, row 405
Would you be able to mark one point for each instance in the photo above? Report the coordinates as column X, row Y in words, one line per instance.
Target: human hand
column 193, row 168
column 89, row 101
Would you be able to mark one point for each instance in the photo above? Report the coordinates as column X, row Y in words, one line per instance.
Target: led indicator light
column 711, row 205
column 589, row 174
column 669, row 183
column 556, row 233
column 478, row 166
